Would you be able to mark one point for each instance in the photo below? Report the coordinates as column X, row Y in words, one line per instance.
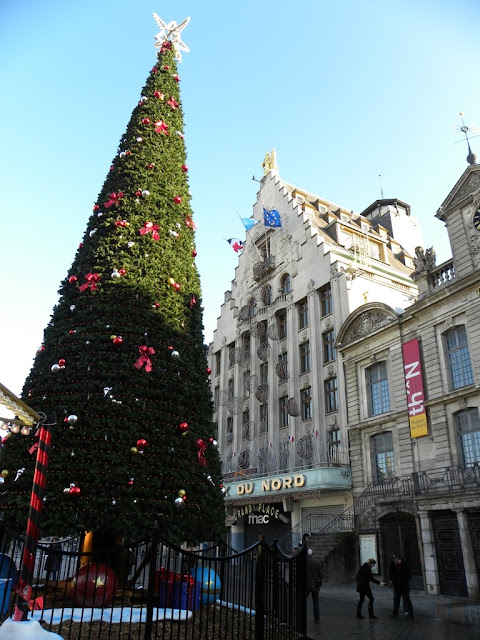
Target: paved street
column 436, row 617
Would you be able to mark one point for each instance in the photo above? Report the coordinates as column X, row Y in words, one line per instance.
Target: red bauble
column 118, row 340
column 141, row 444
column 93, row 586
column 145, row 120
column 177, row 286
column 184, row 168
column 122, row 272
column 96, row 207
column 183, row 426
column 194, row 253
column 61, row 362
column 74, row 491
column 72, row 279
column 177, row 199
column 209, row 371
column 158, row 94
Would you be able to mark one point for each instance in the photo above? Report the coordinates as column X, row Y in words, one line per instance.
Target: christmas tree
column 123, row 366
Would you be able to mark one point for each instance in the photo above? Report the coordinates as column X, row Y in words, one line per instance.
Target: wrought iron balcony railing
column 422, row 483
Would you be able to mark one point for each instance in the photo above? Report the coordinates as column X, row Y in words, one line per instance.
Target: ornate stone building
column 412, row 380
column 278, row 387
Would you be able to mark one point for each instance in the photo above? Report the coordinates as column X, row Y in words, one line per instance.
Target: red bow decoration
column 172, row 103
column 202, row 447
column 144, row 359
column 149, row 227
column 91, row 282
column 113, row 198
column 161, row 127
column 33, row 448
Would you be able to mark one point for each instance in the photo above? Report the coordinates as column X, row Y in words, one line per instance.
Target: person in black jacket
column 400, row 578
column 313, row 582
column 363, row 578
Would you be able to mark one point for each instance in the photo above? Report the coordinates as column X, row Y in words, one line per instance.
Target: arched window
column 285, row 286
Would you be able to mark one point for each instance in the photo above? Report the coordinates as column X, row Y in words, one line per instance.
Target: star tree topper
column 171, row 31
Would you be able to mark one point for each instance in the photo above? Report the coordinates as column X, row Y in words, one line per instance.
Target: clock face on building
column 476, row 219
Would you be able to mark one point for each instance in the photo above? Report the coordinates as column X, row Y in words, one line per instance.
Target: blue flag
column 248, row 223
column 271, row 218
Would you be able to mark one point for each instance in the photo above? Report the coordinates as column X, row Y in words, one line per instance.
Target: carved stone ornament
column 311, row 285
column 367, row 323
column 471, row 185
column 424, row 262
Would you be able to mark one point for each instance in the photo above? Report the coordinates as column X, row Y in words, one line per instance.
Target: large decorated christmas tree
column 123, row 367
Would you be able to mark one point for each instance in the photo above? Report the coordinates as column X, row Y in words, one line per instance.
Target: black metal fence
column 155, row 589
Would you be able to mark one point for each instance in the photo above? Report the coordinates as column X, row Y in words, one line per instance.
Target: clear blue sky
column 344, row 91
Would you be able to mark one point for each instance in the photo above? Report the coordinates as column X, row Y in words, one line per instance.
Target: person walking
column 364, row 577
column 313, row 583
column 400, row 577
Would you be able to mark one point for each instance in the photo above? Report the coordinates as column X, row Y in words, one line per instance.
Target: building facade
column 278, row 388
column 413, row 387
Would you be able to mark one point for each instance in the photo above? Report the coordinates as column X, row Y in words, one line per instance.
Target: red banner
column 417, row 414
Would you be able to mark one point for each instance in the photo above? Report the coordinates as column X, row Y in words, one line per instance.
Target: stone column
column 471, row 576
column 432, row 584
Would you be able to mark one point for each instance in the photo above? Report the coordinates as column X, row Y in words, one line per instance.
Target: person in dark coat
column 363, row 578
column 313, row 582
column 400, row 577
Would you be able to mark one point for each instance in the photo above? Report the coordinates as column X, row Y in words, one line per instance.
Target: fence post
column 302, row 587
column 152, row 570
column 260, row 591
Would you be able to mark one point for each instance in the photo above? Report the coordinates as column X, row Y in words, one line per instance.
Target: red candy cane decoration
column 24, row 588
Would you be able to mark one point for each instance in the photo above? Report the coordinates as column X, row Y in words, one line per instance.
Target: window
column 264, row 334
column 331, row 395
column 326, row 306
column 252, row 306
column 218, row 358
column 285, row 284
column 246, row 342
column 216, row 398
column 265, row 250
column 263, row 426
column 282, row 366
column 282, row 325
column 458, row 356
column 334, row 442
column 374, row 250
column 266, row 295
column 246, row 435
column 328, row 339
column 303, row 314
column 283, row 411
column 246, row 384
column 377, row 389
column 467, row 424
column 229, row 436
column 306, row 402
column 305, row 357
column 264, row 373
column 382, row 456
column 231, row 387
column 231, row 355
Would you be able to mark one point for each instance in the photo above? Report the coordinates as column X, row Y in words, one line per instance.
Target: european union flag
column 271, row 218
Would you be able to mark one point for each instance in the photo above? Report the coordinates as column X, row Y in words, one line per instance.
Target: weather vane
column 171, row 31
column 468, row 130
